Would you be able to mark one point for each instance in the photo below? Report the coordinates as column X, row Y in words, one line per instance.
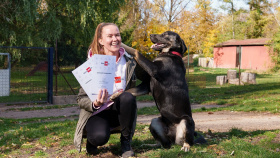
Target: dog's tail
column 199, row 139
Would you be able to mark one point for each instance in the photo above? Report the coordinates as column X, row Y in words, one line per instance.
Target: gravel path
column 221, row 121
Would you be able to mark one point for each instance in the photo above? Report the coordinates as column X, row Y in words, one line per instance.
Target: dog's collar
column 176, row 53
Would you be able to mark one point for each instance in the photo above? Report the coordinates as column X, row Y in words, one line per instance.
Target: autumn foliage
column 72, row 23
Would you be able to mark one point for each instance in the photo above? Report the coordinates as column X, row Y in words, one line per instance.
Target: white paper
column 96, row 73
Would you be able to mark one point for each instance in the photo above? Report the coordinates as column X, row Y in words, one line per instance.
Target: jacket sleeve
column 84, row 102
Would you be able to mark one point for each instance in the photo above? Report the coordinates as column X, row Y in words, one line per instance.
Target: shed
column 250, row 53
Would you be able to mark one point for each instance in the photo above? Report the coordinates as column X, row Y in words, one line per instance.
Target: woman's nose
column 115, row 38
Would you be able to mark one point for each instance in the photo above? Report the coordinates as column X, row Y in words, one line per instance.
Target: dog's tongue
column 153, row 46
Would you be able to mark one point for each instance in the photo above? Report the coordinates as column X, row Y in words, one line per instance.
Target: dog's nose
column 151, row 35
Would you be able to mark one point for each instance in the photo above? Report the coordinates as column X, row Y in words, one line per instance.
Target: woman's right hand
column 102, row 97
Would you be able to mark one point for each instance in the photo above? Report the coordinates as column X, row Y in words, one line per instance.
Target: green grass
column 35, row 138
column 26, row 138
column 264, row 96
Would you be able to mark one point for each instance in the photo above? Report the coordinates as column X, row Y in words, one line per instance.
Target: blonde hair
column 95, row 47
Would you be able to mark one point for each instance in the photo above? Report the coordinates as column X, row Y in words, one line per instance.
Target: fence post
column 50, row 74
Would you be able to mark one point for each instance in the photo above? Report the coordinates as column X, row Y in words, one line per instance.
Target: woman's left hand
column 102, row 97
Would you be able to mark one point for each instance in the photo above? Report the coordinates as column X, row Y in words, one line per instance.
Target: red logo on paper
column 106, row 63
column 88, row 69
column 118, row 79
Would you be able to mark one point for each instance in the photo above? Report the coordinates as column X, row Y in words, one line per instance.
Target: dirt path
column 221, row 121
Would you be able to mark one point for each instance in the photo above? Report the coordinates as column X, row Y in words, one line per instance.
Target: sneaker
column 91, row 149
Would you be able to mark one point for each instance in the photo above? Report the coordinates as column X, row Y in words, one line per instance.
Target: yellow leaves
column 27, row 144
column 209, row 43
column 56, row 138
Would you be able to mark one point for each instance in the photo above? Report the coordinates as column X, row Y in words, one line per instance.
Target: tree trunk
column 252, row 78
column 234, row 81
column 247, row 77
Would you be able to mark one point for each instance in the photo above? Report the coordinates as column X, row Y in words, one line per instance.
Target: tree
column 209, row 43
column 171, row 9
column 232, row 10
column 43, row 22
column 205, row 22
column 22, row 25
column 275, row 54
column 258, row 5
column 149, row 22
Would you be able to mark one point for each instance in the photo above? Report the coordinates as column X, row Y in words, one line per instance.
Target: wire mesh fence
column 28, row 75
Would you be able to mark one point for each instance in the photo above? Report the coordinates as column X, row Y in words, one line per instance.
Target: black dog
column 168, row 86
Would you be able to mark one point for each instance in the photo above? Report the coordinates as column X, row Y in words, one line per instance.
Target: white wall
column 4, row 82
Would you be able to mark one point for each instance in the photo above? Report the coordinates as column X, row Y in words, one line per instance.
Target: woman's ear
column 100, row 41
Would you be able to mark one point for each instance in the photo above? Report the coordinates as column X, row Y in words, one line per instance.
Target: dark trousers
column 122, row 113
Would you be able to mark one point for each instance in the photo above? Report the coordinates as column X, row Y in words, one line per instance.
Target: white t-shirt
column 120, row 73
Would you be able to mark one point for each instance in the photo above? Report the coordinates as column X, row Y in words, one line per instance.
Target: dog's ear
column 184, row 48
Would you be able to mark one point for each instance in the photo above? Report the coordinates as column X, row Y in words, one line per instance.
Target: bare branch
column 162, row 8
column 174, row 17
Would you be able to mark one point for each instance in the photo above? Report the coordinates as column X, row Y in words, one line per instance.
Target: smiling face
column 111, row 40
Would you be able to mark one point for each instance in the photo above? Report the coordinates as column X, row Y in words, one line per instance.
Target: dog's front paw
column 115, row 95
column 186, row 147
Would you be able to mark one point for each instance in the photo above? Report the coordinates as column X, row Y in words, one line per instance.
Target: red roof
column 247, row 42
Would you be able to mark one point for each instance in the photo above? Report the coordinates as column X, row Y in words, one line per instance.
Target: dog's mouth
column 158, row 46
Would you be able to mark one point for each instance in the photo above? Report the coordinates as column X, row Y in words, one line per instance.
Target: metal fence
column 29, row 80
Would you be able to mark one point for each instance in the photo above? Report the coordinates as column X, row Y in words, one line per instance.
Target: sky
column 238, row 3
column 217, row 3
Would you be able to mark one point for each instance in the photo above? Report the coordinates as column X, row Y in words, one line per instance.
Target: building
column 250, row 53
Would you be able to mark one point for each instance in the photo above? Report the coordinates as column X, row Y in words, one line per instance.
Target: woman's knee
column 127, row 98
column 98, row 131
column 98, row 138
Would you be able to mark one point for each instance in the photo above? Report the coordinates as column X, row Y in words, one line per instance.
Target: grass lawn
column 36, row 138
column 263, row 96
column 201, row 81
column 33, row 138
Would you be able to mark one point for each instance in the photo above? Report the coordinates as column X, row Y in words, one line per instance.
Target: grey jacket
column 85, row 103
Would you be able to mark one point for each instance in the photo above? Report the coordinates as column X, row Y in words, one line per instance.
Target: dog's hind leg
column 159, row 131
column 185, row 133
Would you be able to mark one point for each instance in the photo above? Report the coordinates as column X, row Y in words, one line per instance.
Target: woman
column 122, row 112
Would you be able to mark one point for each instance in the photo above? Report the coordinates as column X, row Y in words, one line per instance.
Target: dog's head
column 167, row 42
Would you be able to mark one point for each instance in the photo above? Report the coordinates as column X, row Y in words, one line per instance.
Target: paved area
column 68, row 111
column 221, row 121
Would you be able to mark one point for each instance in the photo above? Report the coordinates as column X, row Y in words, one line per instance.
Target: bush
column 195, row 62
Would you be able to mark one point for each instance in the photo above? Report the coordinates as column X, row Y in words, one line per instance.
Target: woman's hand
column 102, row 97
